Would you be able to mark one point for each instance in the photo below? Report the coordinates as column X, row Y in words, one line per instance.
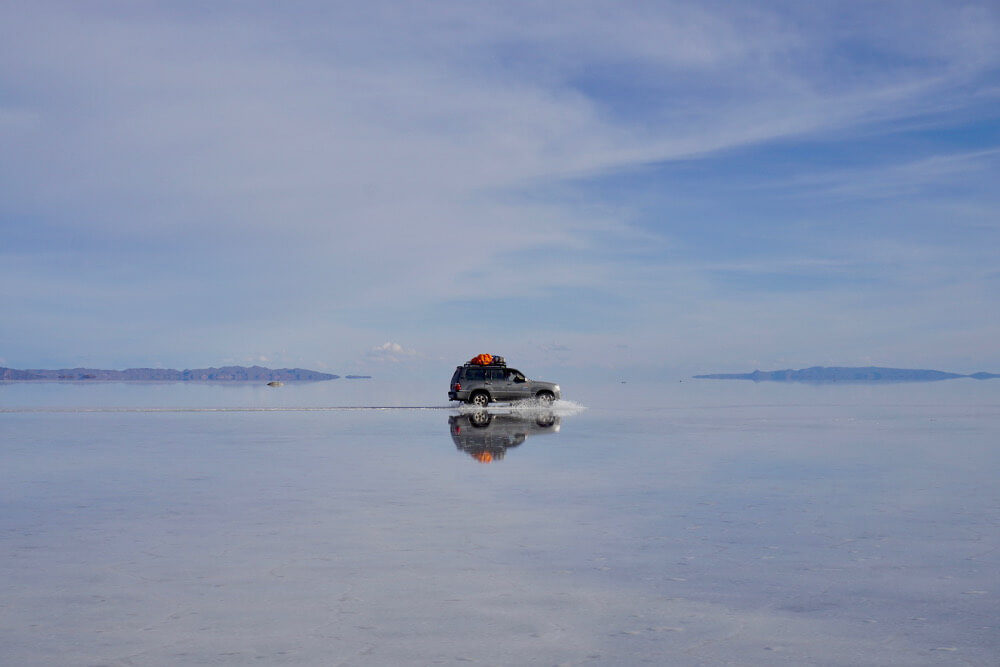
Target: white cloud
column 390, row 352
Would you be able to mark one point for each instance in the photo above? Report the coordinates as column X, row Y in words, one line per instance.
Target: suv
column 479, row 385
column 486, row 436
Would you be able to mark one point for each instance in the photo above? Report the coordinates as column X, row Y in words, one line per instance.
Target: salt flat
column 685, row 524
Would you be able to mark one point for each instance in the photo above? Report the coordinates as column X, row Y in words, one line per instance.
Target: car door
column 475, row 378
column 517, row 385
column 498, row 385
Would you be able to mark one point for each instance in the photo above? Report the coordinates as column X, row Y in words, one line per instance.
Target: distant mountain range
column 224, row 374
column 842, row 374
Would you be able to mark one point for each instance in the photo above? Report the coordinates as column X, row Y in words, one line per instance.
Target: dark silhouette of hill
column 846, row 374
column 223, row 374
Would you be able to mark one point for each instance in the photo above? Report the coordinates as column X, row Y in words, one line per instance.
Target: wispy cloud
column 898, row 179
column 355, row 169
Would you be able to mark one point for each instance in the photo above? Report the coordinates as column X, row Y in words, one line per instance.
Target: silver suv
column 480, row 385
column 486, row 436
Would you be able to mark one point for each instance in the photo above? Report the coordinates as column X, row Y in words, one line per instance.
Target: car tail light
column 457, row 386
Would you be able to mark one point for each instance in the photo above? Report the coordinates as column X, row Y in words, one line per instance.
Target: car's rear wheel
column 480, row 399
column 545, row 396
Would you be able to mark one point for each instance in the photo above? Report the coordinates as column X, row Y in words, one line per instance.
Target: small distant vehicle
column 487, row 378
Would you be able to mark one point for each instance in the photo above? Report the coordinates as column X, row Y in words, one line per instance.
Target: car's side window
column 475, row 375
column 494, row 374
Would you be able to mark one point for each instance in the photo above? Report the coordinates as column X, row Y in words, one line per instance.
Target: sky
column 626, row 188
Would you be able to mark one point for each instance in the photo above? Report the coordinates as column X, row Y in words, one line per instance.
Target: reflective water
column 685, row 524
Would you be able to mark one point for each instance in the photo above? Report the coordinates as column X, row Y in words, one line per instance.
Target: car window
column 494, row 374
column 475, row 374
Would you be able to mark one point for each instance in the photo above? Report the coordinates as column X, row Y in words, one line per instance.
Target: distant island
column 224, row 374
column 845, row 375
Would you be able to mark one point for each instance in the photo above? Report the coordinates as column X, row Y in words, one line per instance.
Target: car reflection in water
column 486, row 436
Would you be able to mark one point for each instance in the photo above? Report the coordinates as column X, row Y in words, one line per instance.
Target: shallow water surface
column 685, row 524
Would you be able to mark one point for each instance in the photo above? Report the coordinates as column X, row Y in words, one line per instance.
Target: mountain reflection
column 486, row 436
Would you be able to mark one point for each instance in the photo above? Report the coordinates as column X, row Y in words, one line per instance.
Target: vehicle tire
column 545, row 396
column 480, row 399
column 546, row 420
column 480, row 418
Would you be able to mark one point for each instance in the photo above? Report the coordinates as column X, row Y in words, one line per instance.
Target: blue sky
column 713, row 186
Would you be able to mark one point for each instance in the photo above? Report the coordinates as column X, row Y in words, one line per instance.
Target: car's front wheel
column 480, row 399
column 545, row 396
column 546, row 420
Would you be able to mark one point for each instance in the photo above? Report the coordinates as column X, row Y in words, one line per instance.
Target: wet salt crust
column 767, row 526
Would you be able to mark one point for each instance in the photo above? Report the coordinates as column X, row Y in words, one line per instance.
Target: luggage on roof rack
column 487, row 360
